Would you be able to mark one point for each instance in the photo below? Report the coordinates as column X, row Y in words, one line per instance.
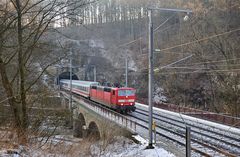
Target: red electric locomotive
column 119, row 99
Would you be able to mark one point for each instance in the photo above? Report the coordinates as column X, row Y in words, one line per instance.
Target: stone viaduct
column 90, row 121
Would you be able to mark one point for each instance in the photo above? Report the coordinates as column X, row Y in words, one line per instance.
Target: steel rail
column 194, row 140
column 200, row 133
column 173, row 139
column 161, row 134
column 218, row 133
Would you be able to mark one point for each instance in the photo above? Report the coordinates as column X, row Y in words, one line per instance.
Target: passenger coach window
column 113, row 92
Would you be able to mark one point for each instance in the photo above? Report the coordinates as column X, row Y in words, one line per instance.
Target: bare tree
column 23, row 26
column 211, row 36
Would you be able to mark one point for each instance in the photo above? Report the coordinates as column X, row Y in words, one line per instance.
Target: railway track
column 198, row 130
column 204, row 141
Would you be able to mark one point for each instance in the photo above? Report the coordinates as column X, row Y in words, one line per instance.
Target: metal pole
column 70, row 101
column 58, row 73
column 150, row 78
column 57, row 82
column 150, row 68
column 95, row 73
column 188, row 142
column 126, row 73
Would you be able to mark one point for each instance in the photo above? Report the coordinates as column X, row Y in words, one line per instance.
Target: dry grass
column 59, row 145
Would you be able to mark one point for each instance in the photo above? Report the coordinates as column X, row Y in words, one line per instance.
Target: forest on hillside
column 198, row 64
column 209, row 76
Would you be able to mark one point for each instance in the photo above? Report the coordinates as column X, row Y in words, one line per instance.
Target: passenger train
column 120, row 99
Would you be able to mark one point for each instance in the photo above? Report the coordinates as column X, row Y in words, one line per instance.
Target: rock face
column 94, row 51
column 106, row 49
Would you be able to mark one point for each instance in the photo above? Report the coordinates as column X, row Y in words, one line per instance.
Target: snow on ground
column 124, row 147
column 117, row 147
column 96, row 43
column 157, row 152
column 158, row 96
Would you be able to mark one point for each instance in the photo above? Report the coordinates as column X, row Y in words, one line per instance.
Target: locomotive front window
column 126, row 92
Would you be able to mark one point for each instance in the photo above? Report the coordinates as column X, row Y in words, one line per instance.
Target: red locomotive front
column 120, row 99
column 125, row 99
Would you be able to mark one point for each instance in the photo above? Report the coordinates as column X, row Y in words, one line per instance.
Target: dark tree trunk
column 24, row 117
column 11, row 98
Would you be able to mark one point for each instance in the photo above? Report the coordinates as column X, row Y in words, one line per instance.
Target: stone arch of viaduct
column 88, row 124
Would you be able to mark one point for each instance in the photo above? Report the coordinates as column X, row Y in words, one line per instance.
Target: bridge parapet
column 89, row 118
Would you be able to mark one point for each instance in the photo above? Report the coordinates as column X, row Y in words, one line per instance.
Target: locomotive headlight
column 121, row 104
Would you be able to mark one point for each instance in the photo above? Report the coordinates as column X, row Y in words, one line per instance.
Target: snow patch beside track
column 196, row 120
